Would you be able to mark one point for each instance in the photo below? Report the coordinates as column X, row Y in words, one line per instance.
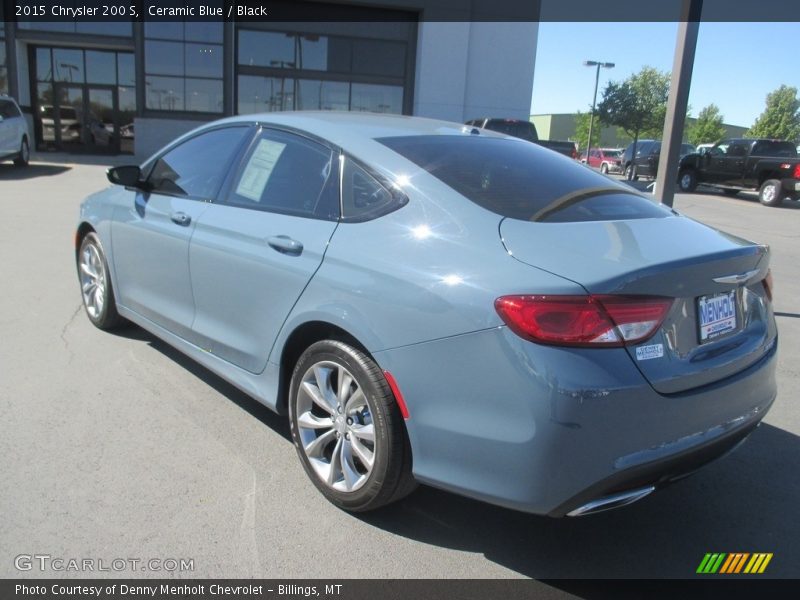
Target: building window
column 115, row 28
column 300, row 71
column 183, row 67
column 84, row 98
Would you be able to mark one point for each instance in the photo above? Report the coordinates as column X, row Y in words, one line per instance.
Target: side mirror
column 129, row 176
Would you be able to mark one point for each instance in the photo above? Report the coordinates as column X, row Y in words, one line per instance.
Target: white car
column 14, row 135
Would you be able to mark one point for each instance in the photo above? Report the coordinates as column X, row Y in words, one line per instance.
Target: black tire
column 99, row 304
column 630, row 173
column 604, row 169
column 24, row 154
column 730, row 191
column 771, row 193
column 389, row 478
column 687, row 181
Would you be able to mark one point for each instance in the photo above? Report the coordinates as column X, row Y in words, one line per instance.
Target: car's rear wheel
column 348, row 429
column 24, row 155
column 96, row 290
column 770, row 193
column 687, row 180
column 630, row 173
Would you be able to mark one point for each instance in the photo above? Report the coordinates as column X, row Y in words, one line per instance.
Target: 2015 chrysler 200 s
column 434, row 303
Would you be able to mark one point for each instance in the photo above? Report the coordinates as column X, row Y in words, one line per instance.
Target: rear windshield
column 523, row 181
column 768, row 148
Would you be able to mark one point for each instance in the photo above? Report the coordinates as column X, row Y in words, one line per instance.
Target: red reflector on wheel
column 589, row 321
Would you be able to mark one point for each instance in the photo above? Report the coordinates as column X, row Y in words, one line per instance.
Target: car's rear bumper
column 791, row 186
column 547, row 430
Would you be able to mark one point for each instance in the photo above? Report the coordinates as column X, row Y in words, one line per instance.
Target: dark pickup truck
column 769, row 166
column 524, row 130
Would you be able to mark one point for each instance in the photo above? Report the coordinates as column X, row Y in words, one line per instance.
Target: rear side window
column 196, row 167
column 522, row 181
column 289, row 174
column 364, row 197
column 769, row 148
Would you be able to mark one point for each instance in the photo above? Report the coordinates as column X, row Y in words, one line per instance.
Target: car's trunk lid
column 671, row 256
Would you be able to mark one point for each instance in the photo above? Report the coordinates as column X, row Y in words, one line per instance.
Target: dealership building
column 130, row 87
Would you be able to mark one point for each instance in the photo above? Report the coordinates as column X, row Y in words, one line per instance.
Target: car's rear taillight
column 589, row 321
column 768, row 285
column 796, row 173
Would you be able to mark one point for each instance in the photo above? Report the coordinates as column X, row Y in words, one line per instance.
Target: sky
column 736, row 64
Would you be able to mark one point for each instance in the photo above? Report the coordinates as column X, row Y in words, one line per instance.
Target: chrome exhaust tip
column 613, row 501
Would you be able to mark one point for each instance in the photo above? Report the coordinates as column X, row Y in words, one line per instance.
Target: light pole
column 598, row 64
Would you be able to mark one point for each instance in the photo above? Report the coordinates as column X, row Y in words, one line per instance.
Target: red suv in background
column 608, row 160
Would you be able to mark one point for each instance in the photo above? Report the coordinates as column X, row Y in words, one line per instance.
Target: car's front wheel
column 770, row 193
column 96, row 290
column 24, row 154
column 348, row 429
column 604, row 169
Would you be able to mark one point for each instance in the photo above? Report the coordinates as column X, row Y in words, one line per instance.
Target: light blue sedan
column 433, row 303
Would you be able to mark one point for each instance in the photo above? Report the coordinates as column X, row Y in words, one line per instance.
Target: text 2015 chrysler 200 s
column 438, row 304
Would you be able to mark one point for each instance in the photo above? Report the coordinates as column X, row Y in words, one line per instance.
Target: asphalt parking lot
column 116, row 446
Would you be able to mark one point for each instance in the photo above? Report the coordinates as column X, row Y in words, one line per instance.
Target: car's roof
column 342, row 127
column 354, row 132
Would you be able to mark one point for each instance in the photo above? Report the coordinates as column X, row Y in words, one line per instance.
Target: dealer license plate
column 716, row 315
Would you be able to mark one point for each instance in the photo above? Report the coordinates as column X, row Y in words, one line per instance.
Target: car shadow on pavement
column 10, row 172
column 278, row 423
column 746, row 502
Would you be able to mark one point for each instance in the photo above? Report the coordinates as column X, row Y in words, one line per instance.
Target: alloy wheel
column 335, row 427
column 93, row 280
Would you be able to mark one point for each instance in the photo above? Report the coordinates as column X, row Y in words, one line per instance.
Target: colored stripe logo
column 734, row 563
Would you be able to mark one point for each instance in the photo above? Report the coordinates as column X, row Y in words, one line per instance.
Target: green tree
column 781, row 117
column 638, row 105
column 707, row 127
column 582, row 130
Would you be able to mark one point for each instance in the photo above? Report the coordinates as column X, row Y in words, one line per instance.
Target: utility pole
column 678, row 101
column 598, row 64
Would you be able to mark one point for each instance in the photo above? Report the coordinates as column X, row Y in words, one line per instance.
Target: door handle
column 180, row 218
column 285, row 245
